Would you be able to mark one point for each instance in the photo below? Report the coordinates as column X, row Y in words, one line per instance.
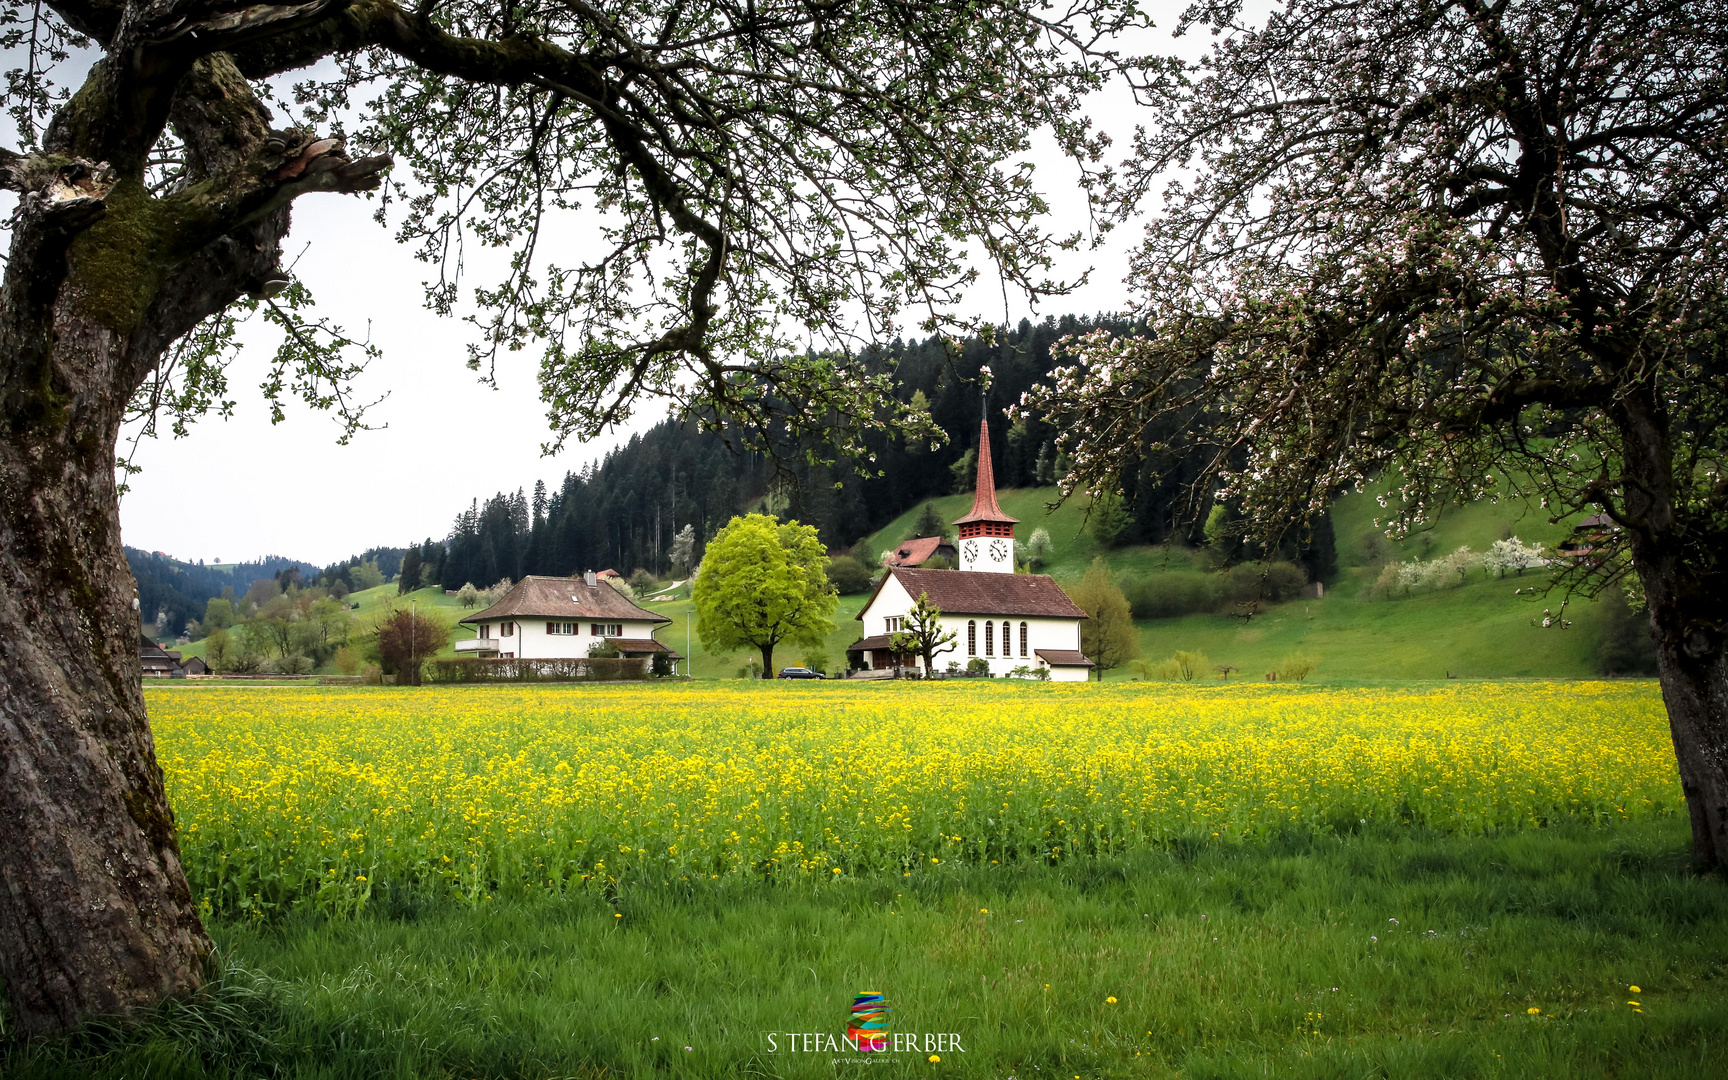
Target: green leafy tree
column 1107, row 637
column 923, row 635
column 216, row 649
column 1419, row 233
column 366, row 575
column 1108, row 519
column 963, row 474
column 762, row 583
column 931, row 523
column 218, row 614
column 409, row 578
column 468, row 595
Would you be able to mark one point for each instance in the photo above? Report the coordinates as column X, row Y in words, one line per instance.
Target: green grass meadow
column 1373, row 954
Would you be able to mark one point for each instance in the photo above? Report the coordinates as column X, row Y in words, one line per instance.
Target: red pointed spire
column 984, row 506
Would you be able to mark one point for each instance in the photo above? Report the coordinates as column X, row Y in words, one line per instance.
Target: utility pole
column 687, row 655
column 413, row 635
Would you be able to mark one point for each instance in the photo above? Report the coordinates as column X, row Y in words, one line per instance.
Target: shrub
column 1191, row 665
column 1169, row 596
column 287, row 665
column 602, row 650
column 977, row 666
column 1267, row 583
column 848, row 575
column 816, row 660
column 1296, row 667
column 641, row 581
column 1183, row 667
column 473, row 670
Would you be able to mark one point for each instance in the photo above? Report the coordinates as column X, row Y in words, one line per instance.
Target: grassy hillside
column 1480, row 629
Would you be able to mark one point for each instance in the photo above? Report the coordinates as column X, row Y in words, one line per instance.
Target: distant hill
column 177, row 591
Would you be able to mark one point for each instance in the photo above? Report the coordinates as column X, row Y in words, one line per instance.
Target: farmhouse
column 915, row 553
column 157, row 662
column 1009, row 620
column 557, row 618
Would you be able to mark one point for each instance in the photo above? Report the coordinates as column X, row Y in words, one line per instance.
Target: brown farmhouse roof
column 880, row 641
column 564, row 598
column 1063, row 657
column 961, row 592
column 640, row 645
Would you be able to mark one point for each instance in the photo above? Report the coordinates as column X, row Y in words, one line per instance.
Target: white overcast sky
column 242, row 488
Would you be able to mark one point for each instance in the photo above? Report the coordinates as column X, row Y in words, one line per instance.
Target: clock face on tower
column 971, row 551
column 998, row 551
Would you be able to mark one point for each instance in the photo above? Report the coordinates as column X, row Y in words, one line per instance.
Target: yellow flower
column 1634, row 989
column 617, row 915
column 1533, row 1011
column 1109, row 1001
column 935, row 1058
column 836, row 869
column 983, row 911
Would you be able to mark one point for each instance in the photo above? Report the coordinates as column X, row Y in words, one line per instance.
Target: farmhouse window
column 601, row 629
column 566, row 628
column 971, row 637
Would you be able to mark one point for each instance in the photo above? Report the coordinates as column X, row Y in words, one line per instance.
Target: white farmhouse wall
column 532, row 642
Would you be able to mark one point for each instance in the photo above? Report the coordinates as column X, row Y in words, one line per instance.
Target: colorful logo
column 867, row 1029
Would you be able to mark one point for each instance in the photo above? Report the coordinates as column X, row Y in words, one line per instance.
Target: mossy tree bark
column 104, row 275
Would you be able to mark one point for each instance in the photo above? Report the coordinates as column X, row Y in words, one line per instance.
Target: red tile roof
column 564, row 598
column 984, row 506
column 961, row 592
column 916, row 552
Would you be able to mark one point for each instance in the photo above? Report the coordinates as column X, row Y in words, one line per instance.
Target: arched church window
column 971, row 637
column 1022, row 639
column 989, row 639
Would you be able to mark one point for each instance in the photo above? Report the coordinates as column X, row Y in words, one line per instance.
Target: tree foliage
column 1107, row 636
column 762, row 582
column 1475, row 245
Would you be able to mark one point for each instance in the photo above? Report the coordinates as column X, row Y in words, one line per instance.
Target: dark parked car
column 800, row 673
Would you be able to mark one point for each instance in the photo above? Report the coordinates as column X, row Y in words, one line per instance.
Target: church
column 1009, row 620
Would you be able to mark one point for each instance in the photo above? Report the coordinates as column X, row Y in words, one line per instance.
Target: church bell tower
column 986, row 533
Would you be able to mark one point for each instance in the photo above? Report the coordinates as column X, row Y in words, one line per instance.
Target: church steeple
column 986, row 533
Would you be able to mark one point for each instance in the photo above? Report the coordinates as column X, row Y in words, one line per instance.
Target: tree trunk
column 1687, row 593
column 1694, row 674
column 95, row 913
column 768, row 661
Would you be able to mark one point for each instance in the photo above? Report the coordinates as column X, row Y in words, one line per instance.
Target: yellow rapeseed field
column 301, row 795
